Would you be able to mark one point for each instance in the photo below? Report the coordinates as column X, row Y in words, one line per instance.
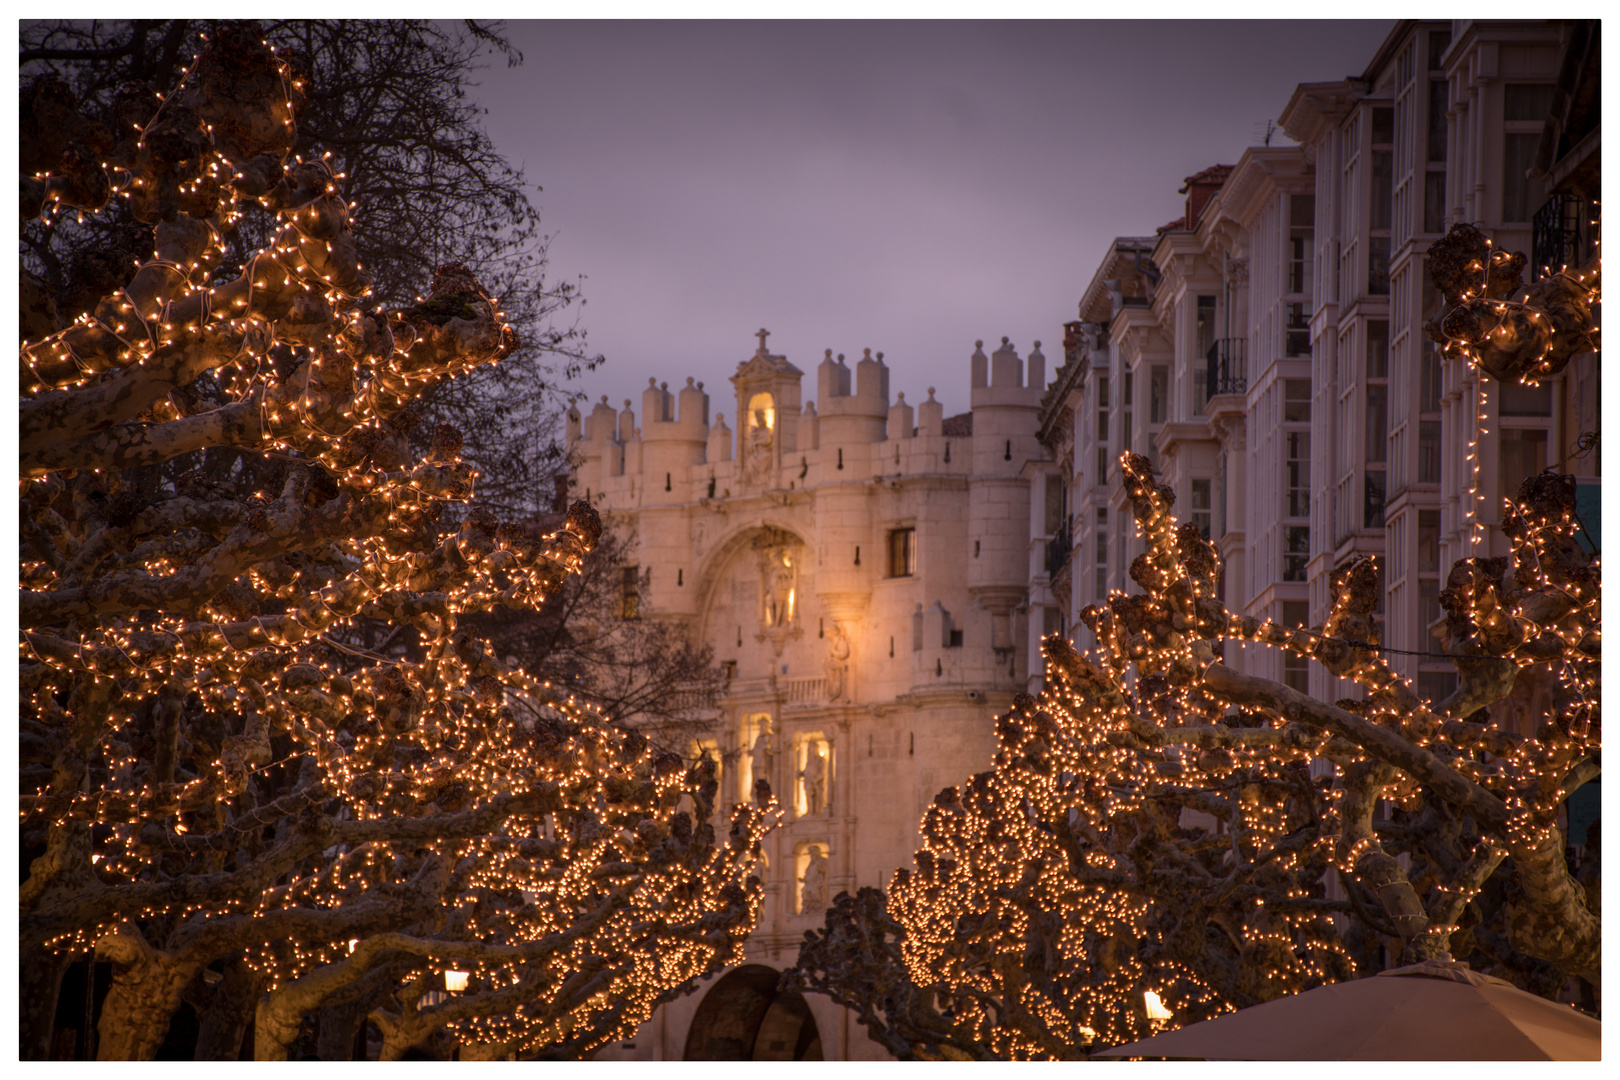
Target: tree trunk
column 135, row 1017
column 224, row 1016
column 273, row 1033
column 39, row 983
column 339, row 1025
column 147, row 988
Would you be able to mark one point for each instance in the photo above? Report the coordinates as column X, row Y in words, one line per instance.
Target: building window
column 1372, row 510
column 1102, row 430
column 1438, row 96
column 1377, row 422
column 1296, row 401
column 1301, row 231
column 1101, row 591
column 1383, row 189
column 1524, row 111
column 1523, row 454
column 1297, row 551
column 1529, row 102
column 1521, row 400
column 1298, row 471
column 1054, row 504
column 1158, row 394
column 902, row 552
column 1203, row 324
column 1429, row 380
column 1434, row 202
column 1201, row 505
column 1297, row 339
column 1296, row 410
column 1296, row 669
column 1125, row 432
column 1378, row 266
column 1518, row 190
column 1428, row 538
column 1428, row 605
column 1428, row 451
column 1377, row 349
column 630, row 593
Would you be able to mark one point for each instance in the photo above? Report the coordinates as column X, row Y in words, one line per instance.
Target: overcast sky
column 903, row 186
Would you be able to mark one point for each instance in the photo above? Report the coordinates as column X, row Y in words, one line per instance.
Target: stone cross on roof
column 762, row 334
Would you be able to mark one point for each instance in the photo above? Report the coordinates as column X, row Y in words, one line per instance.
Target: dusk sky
column 904, row 186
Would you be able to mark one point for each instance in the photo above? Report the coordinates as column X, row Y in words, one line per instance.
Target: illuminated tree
column 1160, row 823
column 630, row 669
column 1153, row 821
column 388, row 100
column 226, row 790
column 856, row 960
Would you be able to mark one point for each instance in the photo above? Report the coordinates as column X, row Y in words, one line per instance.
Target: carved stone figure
column 760, row 763
column 814, row 778
column 837, row 664
column 779, row 587
column 759, row 448
column 813, row 892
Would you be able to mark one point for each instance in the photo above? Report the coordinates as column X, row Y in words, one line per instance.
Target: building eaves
column 1259, row 168
column 1315, row 106
column 1123, row 247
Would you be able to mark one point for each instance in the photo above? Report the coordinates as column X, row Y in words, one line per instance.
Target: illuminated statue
column 759, row 445
column 837, row 664
column 763, row 753
column 779, row 587
column 814, row 778
column 813, row 892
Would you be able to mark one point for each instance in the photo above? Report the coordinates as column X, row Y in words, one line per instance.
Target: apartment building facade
column 1278, row 371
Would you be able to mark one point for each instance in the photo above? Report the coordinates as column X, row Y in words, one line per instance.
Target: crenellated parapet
column 678, row 451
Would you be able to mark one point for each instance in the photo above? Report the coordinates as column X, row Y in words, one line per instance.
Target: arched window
column 762, row 412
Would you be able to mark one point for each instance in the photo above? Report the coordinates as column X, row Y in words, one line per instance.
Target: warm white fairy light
column 311, row 774
column 1048, row 902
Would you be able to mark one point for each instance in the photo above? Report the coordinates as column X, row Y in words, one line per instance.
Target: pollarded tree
column 1153, row 820
column 591, row 638
column 387, row 103
column 856, row 960
column 224, row 791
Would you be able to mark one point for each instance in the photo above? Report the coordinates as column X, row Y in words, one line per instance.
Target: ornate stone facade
column 861, row 571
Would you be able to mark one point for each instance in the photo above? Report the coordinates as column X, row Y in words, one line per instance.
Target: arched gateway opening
column 744, row 1018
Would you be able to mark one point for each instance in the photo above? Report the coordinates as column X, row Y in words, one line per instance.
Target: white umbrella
column 1435, row 1011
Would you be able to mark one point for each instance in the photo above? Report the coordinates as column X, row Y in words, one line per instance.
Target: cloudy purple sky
column 903, row 186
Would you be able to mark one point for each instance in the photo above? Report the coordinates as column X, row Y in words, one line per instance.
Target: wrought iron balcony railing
column 1058, row 548
column 1227, row 372
column 1563, row 233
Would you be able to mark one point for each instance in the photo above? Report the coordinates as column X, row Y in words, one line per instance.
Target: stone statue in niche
column 779, row 588
column 759, row 446
column 814, row 779
column 813, row 892
column 779, row 579
column 837, row 664
column 763, row 753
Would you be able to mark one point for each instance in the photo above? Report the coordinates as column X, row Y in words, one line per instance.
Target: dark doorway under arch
column 744, row 1018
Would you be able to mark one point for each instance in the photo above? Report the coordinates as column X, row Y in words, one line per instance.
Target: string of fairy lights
column 1061, row 899
column 249, row 776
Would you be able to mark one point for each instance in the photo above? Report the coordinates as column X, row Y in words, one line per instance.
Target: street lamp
column 1157, row 1014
